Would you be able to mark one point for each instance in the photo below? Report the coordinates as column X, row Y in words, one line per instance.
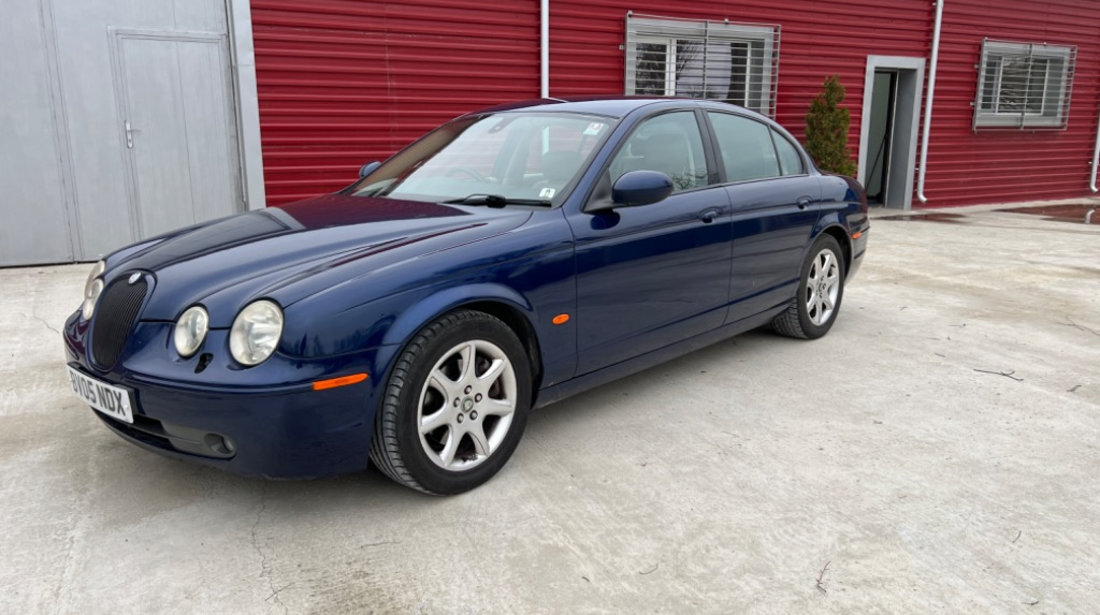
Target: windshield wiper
column 496, row 200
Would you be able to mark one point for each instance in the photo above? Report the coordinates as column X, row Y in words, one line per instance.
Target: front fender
column 387, row 325
column 442, row 301
column 529, row 270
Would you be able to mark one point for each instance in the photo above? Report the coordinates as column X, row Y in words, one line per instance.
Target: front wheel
column 455, row 406
column 820, row 290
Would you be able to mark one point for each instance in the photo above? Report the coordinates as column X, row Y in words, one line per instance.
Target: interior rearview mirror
column 369, row 168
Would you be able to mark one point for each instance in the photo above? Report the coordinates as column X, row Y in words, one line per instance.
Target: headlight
column 255, row 332
column 92, row 288
column 191, row 330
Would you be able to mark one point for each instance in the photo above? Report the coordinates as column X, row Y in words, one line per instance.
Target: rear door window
column 745, row 146
column 790, row 161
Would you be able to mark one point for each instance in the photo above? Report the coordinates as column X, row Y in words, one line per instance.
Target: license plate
column 115, row 402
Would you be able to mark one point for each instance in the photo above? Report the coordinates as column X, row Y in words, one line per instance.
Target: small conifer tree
column 827, row 130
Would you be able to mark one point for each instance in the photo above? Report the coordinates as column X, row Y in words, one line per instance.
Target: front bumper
column 281, row 430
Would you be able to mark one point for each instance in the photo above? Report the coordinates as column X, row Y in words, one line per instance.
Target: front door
column 652, row 275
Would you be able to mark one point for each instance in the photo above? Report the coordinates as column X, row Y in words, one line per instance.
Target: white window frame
column 1056, row 92
column 668, row 31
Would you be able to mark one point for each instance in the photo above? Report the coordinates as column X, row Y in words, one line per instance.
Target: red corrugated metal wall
column 342, row 82
column 1009, row 164
column 819, row 38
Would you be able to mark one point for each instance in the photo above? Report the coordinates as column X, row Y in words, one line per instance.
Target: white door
column 176, row 118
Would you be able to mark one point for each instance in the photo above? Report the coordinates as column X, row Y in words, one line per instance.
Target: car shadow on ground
column 648, row 382
column 162, row 477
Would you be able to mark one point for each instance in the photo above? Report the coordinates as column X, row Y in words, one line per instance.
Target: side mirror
column 369, row 168
column 640, row 188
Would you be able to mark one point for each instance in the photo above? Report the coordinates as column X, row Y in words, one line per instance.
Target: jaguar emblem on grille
column 134, row 277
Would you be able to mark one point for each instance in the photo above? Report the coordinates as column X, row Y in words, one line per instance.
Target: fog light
column 220, row 444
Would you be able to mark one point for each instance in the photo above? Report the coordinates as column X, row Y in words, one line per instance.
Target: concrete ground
column 889, row 467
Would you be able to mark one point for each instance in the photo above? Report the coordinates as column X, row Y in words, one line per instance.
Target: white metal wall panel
column 34, row 218
column 68, row 179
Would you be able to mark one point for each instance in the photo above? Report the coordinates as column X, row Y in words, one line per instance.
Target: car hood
column 276, row 252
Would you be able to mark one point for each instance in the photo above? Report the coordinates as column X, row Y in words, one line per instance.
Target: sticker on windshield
column 593, row 129
column 547, row 193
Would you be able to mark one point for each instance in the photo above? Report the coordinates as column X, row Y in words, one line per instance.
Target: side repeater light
column 342, row 381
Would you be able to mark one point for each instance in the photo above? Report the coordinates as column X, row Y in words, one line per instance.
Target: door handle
column 129, row 135
column 709, row 215
column 804, row 202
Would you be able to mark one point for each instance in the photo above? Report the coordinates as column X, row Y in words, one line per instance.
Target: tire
column 443, row 429
column 820, row 290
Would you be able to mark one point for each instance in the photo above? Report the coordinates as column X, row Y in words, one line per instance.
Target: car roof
column 615, row 107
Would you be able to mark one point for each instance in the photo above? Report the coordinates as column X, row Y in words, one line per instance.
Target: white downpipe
column 1095, row 159
column 928, row 102
column 544, row 48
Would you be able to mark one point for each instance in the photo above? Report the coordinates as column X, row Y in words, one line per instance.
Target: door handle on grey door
column 709, row 215
column 129, row 135
column 804, row 201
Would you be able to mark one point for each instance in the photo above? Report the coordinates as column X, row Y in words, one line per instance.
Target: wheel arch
column 845, row 242
column 521, row 325
column 831, row 224
column 497, row 300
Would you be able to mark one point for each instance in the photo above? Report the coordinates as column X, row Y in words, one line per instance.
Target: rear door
column 653, row 275
column 775, row 206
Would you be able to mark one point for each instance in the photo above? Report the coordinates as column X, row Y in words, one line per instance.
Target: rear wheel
column 455, row 406
column 820, row 291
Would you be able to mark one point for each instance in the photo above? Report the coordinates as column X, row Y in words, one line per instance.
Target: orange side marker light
column 857, row 234
column 342, row 381
column 560, row 319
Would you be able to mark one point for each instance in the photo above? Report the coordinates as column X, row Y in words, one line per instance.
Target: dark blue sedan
column 505, row 261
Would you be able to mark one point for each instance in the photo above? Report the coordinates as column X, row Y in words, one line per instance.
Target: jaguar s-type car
column 507, row 260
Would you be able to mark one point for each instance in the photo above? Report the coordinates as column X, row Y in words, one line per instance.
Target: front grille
column 114, row 317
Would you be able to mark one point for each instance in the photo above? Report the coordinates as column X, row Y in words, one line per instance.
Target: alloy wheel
column 466, row 405
column 822, row 287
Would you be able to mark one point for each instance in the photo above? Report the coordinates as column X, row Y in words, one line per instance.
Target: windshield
column 525, row 158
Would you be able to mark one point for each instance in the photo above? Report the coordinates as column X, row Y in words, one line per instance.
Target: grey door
column 179, row 129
